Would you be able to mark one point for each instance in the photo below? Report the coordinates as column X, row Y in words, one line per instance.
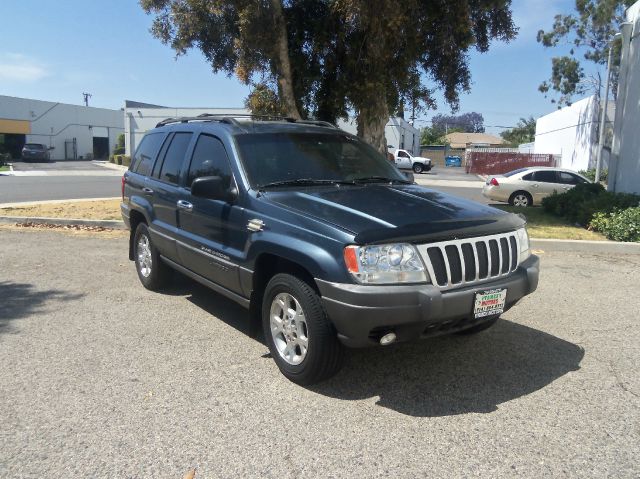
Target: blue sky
column 57, row 50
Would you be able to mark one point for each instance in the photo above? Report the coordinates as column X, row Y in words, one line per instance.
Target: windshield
column 311, row 157
column 34, row 146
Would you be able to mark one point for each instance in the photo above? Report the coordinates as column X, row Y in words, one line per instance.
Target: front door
column 212, row 233
column 404, row 160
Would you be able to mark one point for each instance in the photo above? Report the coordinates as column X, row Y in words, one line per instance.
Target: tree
column 468, row 122
column 324, row 58
column 588, row 32
column 523, row 132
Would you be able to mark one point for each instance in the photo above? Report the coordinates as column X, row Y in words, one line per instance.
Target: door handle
column 147, row 190
column 185, row 205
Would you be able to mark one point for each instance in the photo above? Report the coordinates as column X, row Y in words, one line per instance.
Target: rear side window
column 545, row 176
column 174, row 157
column 209, row 159
column 146, row 153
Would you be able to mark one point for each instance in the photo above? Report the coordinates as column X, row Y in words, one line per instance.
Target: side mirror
column 410, row 176
column 212, row 188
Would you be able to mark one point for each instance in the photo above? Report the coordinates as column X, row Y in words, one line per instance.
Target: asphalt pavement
column 101, row 378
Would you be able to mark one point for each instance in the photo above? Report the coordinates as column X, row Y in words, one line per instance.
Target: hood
column 375, row 213
column 421, row 158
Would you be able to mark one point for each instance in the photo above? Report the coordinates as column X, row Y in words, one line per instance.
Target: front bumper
column 363, row 313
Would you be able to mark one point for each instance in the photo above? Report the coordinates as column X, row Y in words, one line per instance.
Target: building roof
column 463, row 140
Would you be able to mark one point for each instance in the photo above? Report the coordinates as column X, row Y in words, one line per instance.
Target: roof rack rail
column 231, row 119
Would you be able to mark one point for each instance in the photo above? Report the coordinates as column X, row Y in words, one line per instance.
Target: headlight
column 385, row 264
column 523, row 241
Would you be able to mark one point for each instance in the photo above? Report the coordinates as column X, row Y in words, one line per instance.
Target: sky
column 57, row 50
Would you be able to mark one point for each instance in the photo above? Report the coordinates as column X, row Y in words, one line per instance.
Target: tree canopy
column 588, row 32
column 523, row 132
column 442, row 124
column 326, row 58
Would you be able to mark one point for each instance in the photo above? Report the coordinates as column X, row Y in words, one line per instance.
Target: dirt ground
column 89, row 210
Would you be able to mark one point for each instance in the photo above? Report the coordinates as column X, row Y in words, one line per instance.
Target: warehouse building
column 72, row 132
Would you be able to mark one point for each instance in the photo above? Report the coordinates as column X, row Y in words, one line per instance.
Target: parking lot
column 101, row 378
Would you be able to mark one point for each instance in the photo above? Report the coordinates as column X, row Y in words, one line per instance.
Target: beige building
column 473, row 140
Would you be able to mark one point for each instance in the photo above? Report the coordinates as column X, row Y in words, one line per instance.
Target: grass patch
column 86, row 210
column 4, row 168
column 541, row 224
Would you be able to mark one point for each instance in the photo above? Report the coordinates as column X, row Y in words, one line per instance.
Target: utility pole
column 603, row 113
column 86, row 98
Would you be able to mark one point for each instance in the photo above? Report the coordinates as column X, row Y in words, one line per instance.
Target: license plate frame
column 489, row 303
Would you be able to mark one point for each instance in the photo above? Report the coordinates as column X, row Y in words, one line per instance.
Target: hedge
column 618, row 226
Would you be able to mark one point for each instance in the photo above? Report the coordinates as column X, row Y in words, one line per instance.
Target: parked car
column 35, row 151
column 406, row 161
column 323, row 240
column 528, row 186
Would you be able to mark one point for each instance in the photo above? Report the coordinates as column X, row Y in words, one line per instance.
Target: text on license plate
column 488, row 303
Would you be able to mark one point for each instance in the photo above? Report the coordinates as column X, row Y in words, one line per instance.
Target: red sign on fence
column 497, row 163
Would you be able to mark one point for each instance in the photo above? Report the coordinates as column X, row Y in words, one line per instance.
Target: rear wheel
column 300, row 337
column 418, row 168
column 153, row 273
column 521, row 198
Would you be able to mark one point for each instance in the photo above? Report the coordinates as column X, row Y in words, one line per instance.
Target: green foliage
column 591, row 174
column 263, row 100
column 588, row 31
column 621, row 225
column 442, row 124
column 5, row 158
column 119, row 149
column 524, row 132
column 581, row 203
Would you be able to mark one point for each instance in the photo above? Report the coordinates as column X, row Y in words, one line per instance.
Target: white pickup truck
column 406, row 161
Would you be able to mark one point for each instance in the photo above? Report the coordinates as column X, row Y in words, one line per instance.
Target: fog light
column 387, row 339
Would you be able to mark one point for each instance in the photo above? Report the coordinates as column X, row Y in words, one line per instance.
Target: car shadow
column 456, row 374
column 444, row 376
column 21, row 300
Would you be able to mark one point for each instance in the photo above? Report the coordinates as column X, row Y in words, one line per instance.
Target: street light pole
column 603, row 112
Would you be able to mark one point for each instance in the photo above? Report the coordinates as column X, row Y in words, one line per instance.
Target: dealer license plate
column 489, row 303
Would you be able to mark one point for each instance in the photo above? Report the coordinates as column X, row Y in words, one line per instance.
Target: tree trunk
column 285, row 78
column 372, row 119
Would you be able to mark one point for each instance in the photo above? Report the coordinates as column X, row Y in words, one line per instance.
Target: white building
column 141, row 117
column 572, row 134
column 73, row 131
column 399, row 133
column 624, row 172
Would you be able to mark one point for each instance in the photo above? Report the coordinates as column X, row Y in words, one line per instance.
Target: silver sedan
column 528, row 186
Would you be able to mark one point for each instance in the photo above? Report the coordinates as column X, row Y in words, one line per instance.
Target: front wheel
column 300, row 337
column 418, row 168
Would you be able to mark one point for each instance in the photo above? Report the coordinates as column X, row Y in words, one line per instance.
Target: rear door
column 568, row 180
column 213, row 232
column 162, row 186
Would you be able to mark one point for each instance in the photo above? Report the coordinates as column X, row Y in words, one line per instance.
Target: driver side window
column 209, row 159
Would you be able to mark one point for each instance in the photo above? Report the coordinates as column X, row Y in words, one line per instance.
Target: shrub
column 119, row 148
column 582, row 202
column 5, row 158
column 618, row 226
column 591, row 174
column 126, row 160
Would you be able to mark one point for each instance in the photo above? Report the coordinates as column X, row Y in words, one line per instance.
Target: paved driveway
column 101, row 378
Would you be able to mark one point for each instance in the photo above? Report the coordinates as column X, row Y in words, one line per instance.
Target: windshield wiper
column 380, row 179
column 304, row 182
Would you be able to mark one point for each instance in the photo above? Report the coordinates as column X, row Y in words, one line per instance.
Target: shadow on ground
column 437, row 377
column 21, row 300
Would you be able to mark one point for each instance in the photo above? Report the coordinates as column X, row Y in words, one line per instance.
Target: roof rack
column 231, row 119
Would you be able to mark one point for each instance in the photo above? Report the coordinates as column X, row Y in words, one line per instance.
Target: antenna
column 86, row 98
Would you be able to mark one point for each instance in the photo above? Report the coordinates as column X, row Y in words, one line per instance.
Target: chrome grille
column 456, row 263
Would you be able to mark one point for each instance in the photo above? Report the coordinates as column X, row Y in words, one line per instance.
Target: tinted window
column 34, row 146
column 545, row 176
column 146, row 153
column 174, row 158
column 569, row 178
column 209, row 159
column 515, row 172
column 528, row 177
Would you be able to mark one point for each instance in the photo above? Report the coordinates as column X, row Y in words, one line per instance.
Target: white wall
column 137, row 121
column 398, row 132
column 570, row 132
column 624, row 173
column 53, row 123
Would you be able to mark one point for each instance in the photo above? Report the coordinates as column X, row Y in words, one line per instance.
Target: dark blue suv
column 319, row 236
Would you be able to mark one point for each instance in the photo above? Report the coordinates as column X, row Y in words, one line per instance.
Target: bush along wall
column 616, row 215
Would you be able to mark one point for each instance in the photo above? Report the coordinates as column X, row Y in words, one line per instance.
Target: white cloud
column 20, row 68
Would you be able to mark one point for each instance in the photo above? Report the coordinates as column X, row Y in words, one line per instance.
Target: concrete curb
column 113, row 224
column 581, row 246
column 7, row 173
column 111, row 166
column 53, row 202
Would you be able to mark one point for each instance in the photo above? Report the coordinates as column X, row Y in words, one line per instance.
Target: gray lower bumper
column 361, row 313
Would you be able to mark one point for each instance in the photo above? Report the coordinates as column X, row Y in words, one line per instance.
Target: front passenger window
column 209, row 159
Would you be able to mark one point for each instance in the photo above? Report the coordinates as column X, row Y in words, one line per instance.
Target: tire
column 418, row 168
column 152, row 272
column 479, row 327
column 286, row 337
column 521, row 198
